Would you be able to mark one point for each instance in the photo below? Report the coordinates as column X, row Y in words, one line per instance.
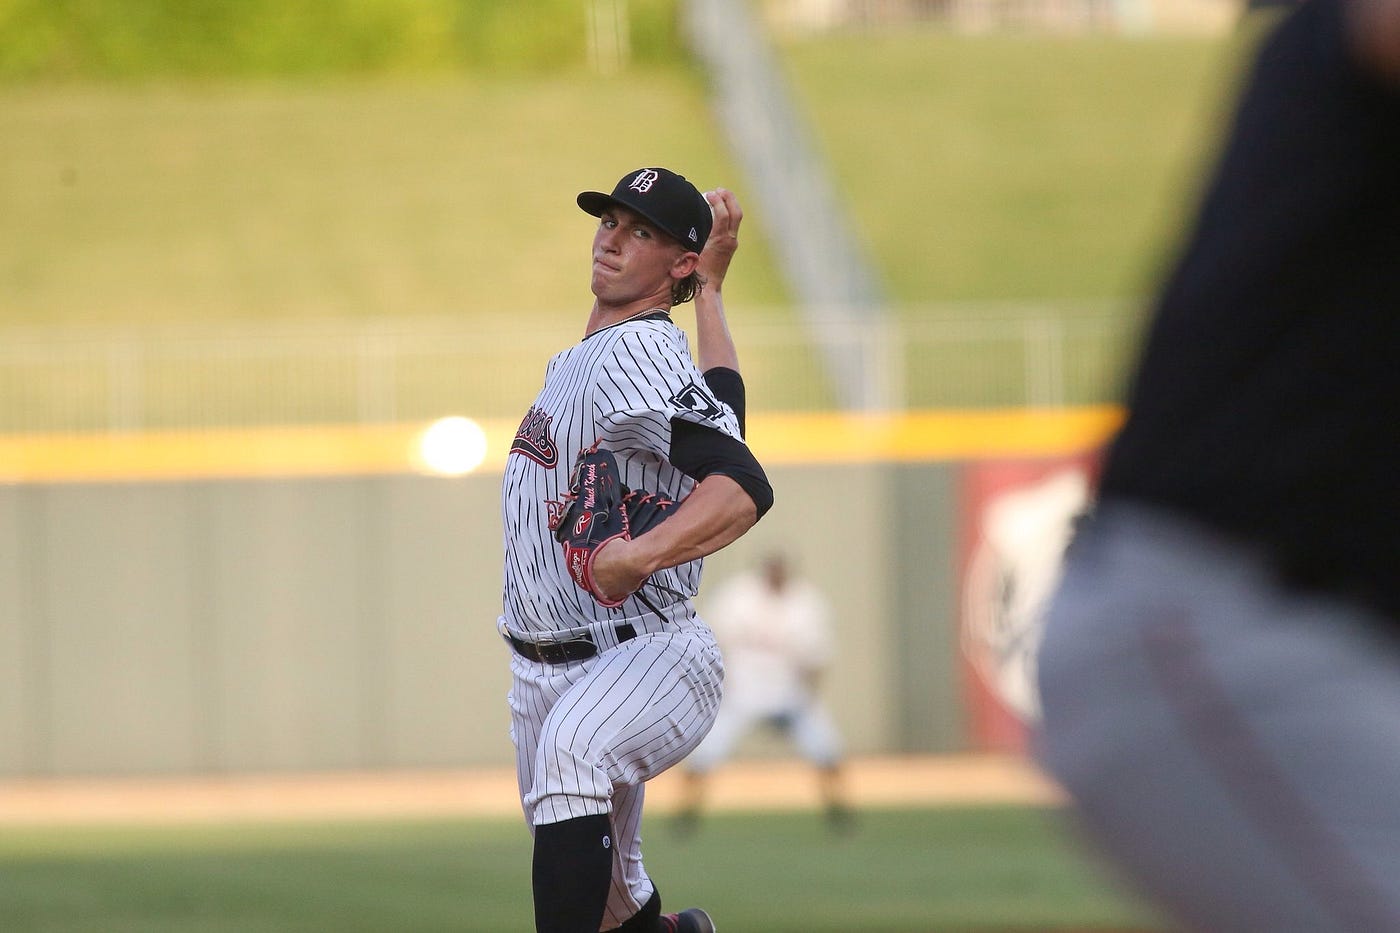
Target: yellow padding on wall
column 261, row 452
column 929, row 435
column 351, row 450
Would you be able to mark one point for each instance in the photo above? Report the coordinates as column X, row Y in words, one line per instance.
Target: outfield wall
column 160, row 617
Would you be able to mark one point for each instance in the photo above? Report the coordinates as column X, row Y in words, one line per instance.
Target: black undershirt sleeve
column 728, row 387
column 699, row 451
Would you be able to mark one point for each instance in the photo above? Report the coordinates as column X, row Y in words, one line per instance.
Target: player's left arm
column 716, row 513
column 732, row 494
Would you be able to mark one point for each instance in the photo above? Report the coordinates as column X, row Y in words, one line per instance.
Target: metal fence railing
column 399, row 371
column 1197, row 17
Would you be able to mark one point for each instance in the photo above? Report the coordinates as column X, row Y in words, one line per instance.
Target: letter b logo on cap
column 644, row 180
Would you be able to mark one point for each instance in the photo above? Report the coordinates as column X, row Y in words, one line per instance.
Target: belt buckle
column 577, row 641
column 554, row 649
column 554, row 639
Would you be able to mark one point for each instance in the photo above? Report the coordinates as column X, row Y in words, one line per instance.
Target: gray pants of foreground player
column 1232, row 744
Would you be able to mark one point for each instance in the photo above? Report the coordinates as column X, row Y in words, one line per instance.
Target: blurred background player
column 774, row 630
column 1220, row 674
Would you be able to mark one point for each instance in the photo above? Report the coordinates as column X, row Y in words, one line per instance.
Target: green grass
column 193, row 202
column 978, row 168
column 1035, row 177
column 1016, row 167
column 900, row 872
column 67, row 39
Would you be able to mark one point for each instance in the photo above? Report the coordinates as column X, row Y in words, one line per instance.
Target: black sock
column 646, row 920
column 572, row 874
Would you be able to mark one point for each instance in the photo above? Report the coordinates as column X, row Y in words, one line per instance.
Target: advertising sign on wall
column 1016, row 519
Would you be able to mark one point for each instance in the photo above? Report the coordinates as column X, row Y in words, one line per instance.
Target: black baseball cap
column 662, row 197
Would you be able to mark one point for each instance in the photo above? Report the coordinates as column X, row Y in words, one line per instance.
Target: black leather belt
column 562, row 652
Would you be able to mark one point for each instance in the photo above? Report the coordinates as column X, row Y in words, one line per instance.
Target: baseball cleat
column 693, row 920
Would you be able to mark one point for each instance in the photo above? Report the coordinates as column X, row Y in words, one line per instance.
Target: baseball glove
column 598, row 508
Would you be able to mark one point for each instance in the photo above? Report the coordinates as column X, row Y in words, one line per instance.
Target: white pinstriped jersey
column 620, row 386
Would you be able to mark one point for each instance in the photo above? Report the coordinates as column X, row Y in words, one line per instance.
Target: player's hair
column 687, row 288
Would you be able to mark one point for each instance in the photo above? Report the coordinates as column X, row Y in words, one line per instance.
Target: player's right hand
column 724, row 236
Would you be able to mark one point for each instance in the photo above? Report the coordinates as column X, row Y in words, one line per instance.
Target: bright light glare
column 452, row 446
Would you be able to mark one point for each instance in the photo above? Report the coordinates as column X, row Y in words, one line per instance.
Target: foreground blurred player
column 1220, row 672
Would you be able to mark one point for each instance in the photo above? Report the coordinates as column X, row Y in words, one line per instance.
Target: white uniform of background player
column 776, row 635
column 605, row 699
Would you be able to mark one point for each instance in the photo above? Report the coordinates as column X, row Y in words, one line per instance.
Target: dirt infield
column 752, row 785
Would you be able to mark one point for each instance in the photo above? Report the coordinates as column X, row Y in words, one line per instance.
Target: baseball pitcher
column 629, row 468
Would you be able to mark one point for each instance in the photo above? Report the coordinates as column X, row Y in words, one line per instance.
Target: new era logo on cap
column 662, row 197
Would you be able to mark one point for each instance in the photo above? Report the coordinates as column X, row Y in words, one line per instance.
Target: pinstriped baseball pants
column 589, row 734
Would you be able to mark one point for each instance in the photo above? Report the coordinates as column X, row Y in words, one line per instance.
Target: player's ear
column 685, row 264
